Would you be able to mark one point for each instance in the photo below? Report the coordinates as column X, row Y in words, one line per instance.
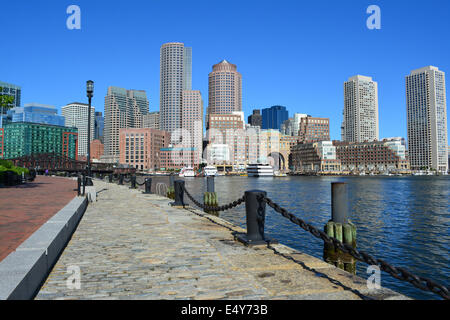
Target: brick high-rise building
column 140, row 147
column 123, row 109
column 224, row 89
column 314, row 129
column 426, row 108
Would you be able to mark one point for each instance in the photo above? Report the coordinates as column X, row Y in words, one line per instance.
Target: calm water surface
column 403, row 220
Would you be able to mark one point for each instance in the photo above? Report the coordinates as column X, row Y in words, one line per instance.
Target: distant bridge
column 54, row 162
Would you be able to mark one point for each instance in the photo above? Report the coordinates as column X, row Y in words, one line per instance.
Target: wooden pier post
column 340, row 228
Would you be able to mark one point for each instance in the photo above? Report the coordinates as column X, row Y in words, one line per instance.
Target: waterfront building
column 273, row 117
column 255, row 119
column 314, row 129
column 99, row 126
column 123, row 109
column 315, row 157
column 25, row 138
column 179, row 157
column 36, row 113
column 388, row 155
column 224, row 89
column 426, row 107
column 97, row 149
column 360, row 121
column 76, row 115
column 151, row 120
column 175, row 76
column 140, row 147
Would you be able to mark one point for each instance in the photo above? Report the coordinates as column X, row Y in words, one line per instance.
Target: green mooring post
column 210, row 196
column 340, row 228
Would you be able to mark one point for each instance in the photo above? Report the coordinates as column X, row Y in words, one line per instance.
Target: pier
column 131, row 245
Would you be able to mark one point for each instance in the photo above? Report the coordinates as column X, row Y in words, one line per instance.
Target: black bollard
column 171, row 180
column 255, row 211
column 121, row 179
column 79, row 185
column 179, row 193
column 84, row 183
column 148, row 185
column 210, row 184
column 110, row 178
column 133, row 182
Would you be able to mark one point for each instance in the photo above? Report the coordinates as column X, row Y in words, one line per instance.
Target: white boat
column 187, row 172
column 279, row 174
column 259, row 170
column 210, row 171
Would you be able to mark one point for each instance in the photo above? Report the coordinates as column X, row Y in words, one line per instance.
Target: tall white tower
column 426, row 108
column 175, row 76
column 76, row 115
column 360, row 121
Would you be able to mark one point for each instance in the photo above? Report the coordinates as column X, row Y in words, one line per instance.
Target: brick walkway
column 23, row 209
column 131, row 245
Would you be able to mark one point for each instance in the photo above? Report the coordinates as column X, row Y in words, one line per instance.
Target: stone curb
column 24, row 270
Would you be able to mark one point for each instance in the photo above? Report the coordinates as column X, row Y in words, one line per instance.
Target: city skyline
column 389, row 69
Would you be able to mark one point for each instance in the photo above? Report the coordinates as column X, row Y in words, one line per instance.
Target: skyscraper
column 99, row 126
column 426, row 108
column 175, row 76
column 151, row 120
column 192, row 119
column 224, row 89
column 273, row 117
column 123, row 109
column 76, row 115
column 360, row 121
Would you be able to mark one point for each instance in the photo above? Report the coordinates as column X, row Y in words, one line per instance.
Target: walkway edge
column 24, row 270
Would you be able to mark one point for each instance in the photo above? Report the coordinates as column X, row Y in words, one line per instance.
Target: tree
column 5, row 102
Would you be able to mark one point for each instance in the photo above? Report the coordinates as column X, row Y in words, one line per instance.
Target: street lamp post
column 90, row 94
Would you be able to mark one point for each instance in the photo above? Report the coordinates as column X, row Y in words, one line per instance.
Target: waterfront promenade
column 131, row 245
column 25, row 208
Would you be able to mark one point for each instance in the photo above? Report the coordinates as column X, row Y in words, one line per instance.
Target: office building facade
column 360, row 121
column 36, row 113
column 273, row 117
column 175, row 76
column 13, row 90
column 99, row 126
column 151, row 120
column 224, row 89
column 123, row 109
column 427, row 119
column 314, row 129
column 25, row 138
column 192, row 120
column 255, row 119
column 76, row 115
column 140, row 147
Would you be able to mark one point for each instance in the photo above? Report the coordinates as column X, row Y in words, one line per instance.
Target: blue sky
column 292, row 53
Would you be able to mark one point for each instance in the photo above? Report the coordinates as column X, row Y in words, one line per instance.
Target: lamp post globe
column 90, row 94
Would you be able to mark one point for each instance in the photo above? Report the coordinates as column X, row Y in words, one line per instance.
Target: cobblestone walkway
column 135, row 246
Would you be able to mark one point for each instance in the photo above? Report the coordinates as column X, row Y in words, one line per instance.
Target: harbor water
column 402, row 220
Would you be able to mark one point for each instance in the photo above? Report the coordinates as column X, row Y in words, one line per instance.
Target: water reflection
column 404, row 220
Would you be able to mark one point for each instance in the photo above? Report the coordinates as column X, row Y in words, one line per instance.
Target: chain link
column 397, row 272
column 212, row 208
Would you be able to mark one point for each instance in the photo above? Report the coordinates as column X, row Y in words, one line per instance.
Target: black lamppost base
column 89, row 182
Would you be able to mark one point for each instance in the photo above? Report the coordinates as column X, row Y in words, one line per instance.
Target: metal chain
column 140, row 184
column 397, row 272
column 212, row 208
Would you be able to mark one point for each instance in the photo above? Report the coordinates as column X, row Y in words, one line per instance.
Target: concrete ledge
column 24, row 270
